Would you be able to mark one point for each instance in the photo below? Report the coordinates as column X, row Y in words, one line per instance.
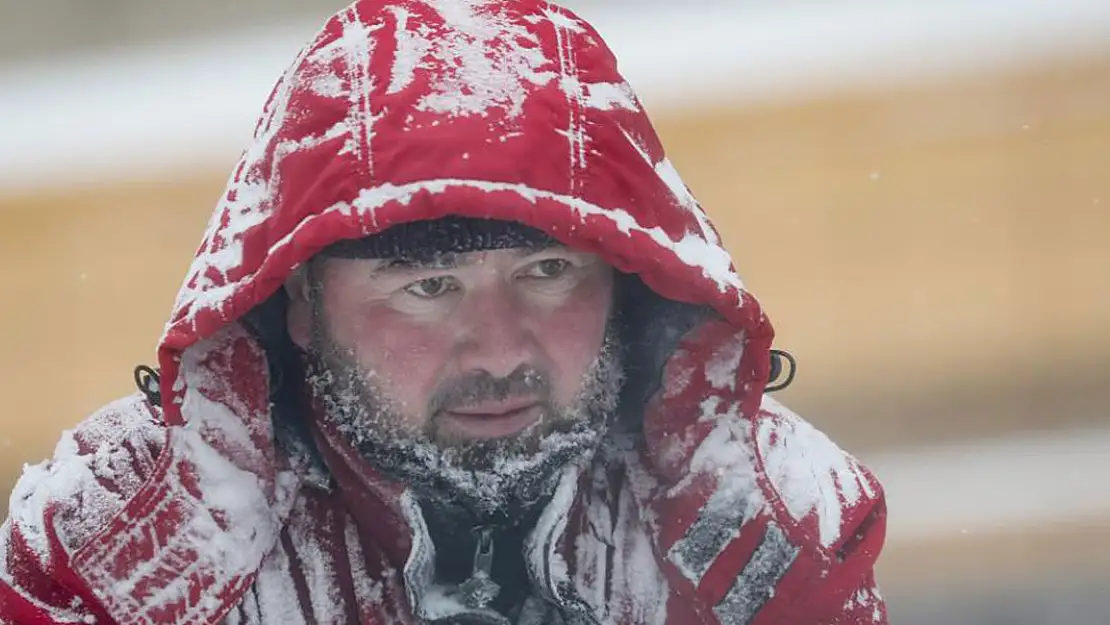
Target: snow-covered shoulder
column 95, row 469
column 821, row 488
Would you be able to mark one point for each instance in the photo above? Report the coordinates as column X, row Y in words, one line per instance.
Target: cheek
column 572, row 335
column 407, row 358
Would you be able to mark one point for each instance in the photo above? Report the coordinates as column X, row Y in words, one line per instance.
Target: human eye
column 547, row 269
column 431, row 288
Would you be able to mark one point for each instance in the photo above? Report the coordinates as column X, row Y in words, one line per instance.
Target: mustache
column 480, row 386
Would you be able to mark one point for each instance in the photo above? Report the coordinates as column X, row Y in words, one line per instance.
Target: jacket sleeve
column 759, row 518
column 58, row 505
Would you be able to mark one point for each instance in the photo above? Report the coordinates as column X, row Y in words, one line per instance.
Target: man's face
column 481, row 354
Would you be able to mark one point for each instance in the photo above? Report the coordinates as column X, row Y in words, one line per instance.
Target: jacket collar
column 393, row 519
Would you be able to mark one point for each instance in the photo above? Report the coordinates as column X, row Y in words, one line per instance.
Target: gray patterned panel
column 755, row 583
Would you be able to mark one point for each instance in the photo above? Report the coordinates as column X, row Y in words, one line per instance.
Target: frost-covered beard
column 478, row 477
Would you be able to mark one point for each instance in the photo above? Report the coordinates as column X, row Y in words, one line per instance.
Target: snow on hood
column 416, row 109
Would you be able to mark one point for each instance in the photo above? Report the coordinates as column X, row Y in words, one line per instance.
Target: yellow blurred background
column 921, row 205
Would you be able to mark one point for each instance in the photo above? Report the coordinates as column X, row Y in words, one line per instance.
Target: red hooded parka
column 729, row 510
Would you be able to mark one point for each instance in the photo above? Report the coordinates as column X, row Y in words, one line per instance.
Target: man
column 458, row 347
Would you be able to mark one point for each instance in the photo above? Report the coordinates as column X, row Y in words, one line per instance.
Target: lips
column 491, row 419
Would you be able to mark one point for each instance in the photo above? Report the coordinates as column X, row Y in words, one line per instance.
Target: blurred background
column 918, row 192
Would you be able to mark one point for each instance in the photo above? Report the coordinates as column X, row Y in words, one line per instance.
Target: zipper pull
column 480, row 589
column 483, row 552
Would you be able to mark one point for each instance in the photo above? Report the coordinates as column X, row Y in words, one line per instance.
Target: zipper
column 480, row 590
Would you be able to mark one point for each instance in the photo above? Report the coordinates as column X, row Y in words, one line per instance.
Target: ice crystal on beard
column 484, row 476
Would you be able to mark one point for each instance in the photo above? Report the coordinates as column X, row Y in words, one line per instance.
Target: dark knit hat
column 424, row 240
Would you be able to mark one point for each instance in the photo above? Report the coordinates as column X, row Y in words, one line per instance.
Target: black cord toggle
column 778, row 356
column 147, row 379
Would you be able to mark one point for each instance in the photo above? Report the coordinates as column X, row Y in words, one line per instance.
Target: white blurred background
column 918, row 191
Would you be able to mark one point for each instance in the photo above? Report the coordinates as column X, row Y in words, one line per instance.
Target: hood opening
column 651, row 328
column 650, row 325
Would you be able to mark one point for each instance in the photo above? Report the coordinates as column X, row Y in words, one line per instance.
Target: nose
column 496, row 334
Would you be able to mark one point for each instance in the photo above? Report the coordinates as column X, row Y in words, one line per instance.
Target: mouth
column 487, row 420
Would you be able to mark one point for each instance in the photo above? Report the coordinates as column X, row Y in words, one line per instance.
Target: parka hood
column 407, row 110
